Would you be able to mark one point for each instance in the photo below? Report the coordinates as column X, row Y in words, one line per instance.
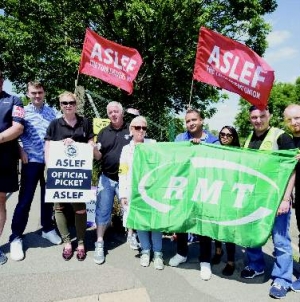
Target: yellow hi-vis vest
column 270, row 141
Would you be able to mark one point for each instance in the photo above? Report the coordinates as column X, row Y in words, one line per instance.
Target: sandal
column 67, row 253
column 81, row 254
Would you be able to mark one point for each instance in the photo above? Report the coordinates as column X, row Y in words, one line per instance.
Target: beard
column 296, row 132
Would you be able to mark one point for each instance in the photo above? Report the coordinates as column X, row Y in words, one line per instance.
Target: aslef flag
column 109, row 61
column 225, row 63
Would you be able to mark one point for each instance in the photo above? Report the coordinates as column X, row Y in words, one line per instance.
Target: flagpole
column 76, row 81
column 191, row 91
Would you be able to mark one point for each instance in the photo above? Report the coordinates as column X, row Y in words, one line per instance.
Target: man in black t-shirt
column 111, row 141
column 292, row 121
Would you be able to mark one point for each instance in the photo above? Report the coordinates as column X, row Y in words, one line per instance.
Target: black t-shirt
column 11, row 110
column 112, row 142
column 82, row 132
column 284, row 141
column 297, row 145
column 296, row 141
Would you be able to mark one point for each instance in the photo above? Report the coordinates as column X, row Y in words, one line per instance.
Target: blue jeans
column 150, row 240
column 283, row 265
column 106, row 191
column 31, row 174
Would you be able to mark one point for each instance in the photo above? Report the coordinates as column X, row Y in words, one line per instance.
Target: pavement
column 44, row 276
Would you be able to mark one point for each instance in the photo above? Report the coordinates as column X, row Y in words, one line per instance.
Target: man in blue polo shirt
column 37, row 119
column 11, row 126
column 194, row 120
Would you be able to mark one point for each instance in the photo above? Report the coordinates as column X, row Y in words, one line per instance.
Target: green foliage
column 215, row 132
column 282, row 94
column 241, row 122
column 25, row 100
column 42, row 39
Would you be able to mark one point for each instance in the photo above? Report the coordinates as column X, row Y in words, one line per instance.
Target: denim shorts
column 106, row 191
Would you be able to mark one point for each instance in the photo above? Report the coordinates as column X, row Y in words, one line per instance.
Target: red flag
column 230, row 65
column 109, row 61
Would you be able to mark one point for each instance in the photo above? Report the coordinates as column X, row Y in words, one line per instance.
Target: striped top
column 37, row 121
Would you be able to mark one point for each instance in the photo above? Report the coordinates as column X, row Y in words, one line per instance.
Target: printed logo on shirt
column 266, row 145
column 123, row 169
column 18, row 111
column 71, row 151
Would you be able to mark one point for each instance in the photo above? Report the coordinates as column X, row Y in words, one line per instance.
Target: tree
column 42, row 39
column 282, row 94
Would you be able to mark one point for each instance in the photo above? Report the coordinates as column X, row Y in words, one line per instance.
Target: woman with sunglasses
column 148, row 239
column 227, row 137
column 70, row 128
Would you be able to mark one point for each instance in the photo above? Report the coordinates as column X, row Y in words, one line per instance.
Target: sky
column 283, row 55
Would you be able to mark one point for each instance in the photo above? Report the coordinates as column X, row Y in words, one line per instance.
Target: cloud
column 278, row 37
column 226, row 112
column 281, row 54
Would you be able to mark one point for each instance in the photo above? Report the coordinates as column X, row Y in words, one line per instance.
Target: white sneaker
column 99, row 256
column 132, row 241
column 205, row 271
column 16, row 250
column 52, row 237
column 145, row 259
column 158, row 261
column 176, row 260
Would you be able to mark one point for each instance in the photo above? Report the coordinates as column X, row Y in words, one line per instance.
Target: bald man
column 292, row 121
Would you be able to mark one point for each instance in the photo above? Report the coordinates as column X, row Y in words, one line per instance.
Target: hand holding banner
column 109, row 61
column 230, row 65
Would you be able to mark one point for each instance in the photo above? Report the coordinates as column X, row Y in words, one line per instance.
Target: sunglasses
column 138, row 128
column 228, row 135
column 72, row 103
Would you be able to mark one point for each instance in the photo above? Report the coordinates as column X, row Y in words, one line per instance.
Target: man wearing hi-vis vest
column 292, row 121
column 265, row 137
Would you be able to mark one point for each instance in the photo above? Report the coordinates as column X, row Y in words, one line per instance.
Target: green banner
column 226, row 193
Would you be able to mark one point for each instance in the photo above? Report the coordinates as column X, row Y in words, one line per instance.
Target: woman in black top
column 70, row 128
column 228, row 137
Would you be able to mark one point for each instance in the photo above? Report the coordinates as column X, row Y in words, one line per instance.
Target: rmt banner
column 226, row 193
column 69, row 172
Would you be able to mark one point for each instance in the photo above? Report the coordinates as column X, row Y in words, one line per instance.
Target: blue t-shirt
column 208, row 138
column 37, row 121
